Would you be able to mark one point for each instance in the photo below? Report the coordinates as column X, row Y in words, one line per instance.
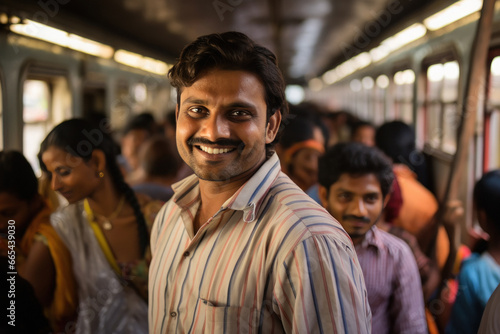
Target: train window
column 492, row 119
column 46, row 102
column 357, row 101
column 36, row 112
column 346, row 96
column 140, row 92
column 441, row 106
column 403, row 95
column 494, row 89
column 492, row 138
column 366, row 112
column 381, row 84
column 342, row 97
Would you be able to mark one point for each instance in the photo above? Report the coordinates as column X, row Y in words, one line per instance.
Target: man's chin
column 212, row 177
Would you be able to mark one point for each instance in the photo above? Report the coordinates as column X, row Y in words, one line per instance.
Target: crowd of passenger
column 336, row 227
column 84, row 253
column 92, row 242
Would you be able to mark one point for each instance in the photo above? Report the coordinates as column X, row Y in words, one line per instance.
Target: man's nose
column 215, row 127
column 358, row 208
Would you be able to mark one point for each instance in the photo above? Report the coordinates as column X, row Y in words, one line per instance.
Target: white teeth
column 210, row 150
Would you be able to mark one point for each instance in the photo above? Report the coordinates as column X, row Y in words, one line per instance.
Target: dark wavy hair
column 16, row 176
column 487, row 196
column 397, row 140
column 232, row 51
column 79, row 138
column 355, row 159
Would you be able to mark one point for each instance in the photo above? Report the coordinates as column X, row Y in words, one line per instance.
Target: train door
column 491, row 132
column 46, row 102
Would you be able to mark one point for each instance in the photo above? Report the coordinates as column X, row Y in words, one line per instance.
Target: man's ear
column 98, row 160
column 386, row 200
column 177, row 111
column 323, row 196
column 273, row 126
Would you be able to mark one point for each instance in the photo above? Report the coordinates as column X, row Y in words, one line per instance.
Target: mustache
column 220, row 142
column 357, row 218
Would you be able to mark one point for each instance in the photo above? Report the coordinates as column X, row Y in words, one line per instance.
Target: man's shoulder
column 287, row 201
column 479, row 265
column 395, row 246
column 291, row 198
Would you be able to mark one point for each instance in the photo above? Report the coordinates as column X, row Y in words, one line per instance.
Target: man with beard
column 355, row 181
column 240, row 248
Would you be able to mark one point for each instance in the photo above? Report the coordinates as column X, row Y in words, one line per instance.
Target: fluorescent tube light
column 62, row 38
column 452, row 13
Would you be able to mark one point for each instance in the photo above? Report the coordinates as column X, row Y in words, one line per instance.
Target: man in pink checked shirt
column 355, row 181
column 240, row 248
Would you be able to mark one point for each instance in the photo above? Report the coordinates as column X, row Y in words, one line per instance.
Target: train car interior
column 379, row 60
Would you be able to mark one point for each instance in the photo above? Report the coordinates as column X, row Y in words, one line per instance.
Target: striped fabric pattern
column 393, row 284
column 269, row 261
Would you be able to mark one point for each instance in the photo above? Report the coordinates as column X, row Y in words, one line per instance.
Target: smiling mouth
column 211, row 150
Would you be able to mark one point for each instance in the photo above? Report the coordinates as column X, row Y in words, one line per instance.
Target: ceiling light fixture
column 62, row 38
column 455, row 12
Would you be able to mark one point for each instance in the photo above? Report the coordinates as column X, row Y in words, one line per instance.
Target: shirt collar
column 247, row 199
column 372, row 238
column 186, row 191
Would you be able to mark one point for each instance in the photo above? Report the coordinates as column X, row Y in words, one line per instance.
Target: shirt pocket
column 230, row 319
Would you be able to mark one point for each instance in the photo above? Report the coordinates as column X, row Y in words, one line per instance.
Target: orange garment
column 418, row 208
column 63, row 306
column 431, row 323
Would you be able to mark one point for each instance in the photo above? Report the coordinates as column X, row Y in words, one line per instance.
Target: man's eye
column 344, row 197
column 240, row 114
column 196, row 112
column 371, row 198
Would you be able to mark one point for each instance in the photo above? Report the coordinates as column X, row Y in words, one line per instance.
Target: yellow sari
column 63, row 306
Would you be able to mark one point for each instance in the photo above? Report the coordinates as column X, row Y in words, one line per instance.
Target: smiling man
column 355, row 181
column 240, row 248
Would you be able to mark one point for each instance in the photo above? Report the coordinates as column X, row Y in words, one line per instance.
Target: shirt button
column 186, row 254
column 173, row 314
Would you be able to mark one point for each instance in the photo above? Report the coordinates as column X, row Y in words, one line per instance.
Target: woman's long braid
column 125, row 189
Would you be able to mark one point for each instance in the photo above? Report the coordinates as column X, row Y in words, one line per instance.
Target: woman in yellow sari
column 103, row 226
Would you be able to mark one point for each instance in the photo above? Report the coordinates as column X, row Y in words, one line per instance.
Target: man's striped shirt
column 270, row 260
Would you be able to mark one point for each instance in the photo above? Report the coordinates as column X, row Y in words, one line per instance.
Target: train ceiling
column 308, row 36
